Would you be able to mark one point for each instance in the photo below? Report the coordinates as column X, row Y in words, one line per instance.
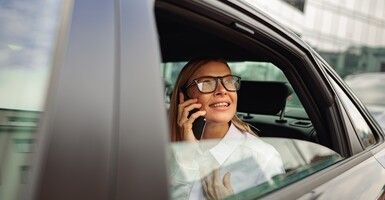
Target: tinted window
column 363, row 131
column 253, row 171
column 27, row 35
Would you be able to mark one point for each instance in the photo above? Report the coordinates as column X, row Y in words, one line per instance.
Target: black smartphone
column 198, row 125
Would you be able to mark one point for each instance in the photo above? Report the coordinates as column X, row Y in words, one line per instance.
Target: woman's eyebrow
column 213, row 76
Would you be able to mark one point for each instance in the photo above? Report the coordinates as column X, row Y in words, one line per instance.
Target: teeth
column 221, row 105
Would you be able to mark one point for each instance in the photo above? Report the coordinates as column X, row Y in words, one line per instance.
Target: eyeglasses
column 208, row 84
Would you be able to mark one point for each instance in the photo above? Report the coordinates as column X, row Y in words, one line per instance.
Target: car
column 369, row 89
column 100, row 129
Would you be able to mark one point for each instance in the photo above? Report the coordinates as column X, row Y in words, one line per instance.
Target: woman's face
column 220, row 105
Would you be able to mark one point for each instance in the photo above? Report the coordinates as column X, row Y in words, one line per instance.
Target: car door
column 142, row 125
column 359, row 161
column 104, row 134
column 364, row 178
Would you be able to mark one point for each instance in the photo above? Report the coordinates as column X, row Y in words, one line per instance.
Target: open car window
column 285, row 144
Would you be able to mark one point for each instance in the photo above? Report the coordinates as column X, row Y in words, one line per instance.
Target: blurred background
column 348, row 34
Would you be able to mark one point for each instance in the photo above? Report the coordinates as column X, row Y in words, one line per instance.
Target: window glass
column 370, row 88
column 252, row 174
column 27, row 35
column 250, row 165
column 363, row 131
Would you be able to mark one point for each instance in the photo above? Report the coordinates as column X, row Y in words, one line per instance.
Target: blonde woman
column 209, row 170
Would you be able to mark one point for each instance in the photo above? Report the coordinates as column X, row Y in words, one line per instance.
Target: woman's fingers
column 209, row 186
column 185, row 113
column 216, row 176
column 226, row 181
column 182, row 105
column 206, row 191
column 181, row 97
column 194, row 116
column 216, row 187
column 188, row 109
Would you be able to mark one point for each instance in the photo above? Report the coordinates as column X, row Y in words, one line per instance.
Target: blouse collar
column 232, row 139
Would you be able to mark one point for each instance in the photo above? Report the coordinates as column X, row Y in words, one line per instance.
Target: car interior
column 263, row 104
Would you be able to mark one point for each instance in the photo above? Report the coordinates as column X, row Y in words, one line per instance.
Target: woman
column 207, row 85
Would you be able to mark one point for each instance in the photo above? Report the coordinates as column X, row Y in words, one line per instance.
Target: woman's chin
column 218, row 120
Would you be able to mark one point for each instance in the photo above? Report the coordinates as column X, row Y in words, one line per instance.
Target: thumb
column 226, row 181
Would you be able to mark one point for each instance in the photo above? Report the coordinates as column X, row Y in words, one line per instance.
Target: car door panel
column 141, row 168
column 78, row 124
column 363, row 181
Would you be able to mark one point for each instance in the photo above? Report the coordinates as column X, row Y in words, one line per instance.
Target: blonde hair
column 188, row 70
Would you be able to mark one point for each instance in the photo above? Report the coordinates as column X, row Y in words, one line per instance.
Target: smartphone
column 198, row 125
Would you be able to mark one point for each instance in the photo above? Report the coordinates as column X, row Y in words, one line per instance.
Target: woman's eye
column 228, row 81
column 205, row 81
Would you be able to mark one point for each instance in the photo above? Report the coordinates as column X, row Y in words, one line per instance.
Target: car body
column 103, row 132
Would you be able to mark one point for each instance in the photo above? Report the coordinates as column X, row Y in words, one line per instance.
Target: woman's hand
column 184, row 121
column 216, row 188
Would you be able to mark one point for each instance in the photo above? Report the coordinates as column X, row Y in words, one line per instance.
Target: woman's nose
column 220, row 88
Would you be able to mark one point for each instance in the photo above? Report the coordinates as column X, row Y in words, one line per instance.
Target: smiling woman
column 205, row 87
column 197, row 71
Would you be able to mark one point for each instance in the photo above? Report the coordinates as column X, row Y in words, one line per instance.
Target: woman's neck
column 215, row 130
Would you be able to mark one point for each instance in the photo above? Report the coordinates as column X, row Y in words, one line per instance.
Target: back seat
column 261, row 104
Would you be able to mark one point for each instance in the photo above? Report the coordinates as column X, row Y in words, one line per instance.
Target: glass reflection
column 27, row 35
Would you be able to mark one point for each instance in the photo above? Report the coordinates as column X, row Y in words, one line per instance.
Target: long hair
column 188, row 70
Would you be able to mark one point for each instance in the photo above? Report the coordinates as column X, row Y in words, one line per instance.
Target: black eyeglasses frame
column 195, row 82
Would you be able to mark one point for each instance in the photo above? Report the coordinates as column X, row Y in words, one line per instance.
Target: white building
column 330, row 25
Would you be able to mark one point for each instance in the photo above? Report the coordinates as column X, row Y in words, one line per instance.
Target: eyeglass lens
column 209, row 84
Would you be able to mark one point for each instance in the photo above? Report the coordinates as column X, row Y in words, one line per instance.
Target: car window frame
column 370, row 121
column 304, row 54
column 138, row 52
column 224, row 14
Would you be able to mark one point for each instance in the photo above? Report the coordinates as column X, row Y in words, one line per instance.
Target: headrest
column 262, row 97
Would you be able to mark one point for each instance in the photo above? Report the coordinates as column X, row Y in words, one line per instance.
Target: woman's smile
column 220, row 105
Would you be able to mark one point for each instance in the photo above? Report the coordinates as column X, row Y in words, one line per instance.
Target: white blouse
column 250, row 161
